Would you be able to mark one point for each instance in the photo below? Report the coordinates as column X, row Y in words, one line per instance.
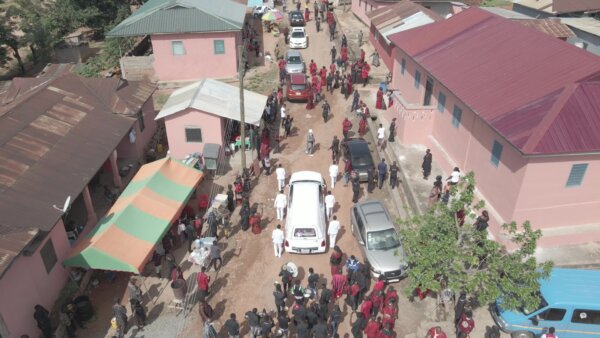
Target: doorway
column 428, row 92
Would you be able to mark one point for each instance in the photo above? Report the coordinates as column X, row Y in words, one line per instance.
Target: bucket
column 179, row 289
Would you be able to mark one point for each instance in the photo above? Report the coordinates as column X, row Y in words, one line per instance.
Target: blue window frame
column 456, row 116
column 441, row 102
column 496, row 153
column 576, row 175
column 219, row 46
column 402, row 66
column 417, row 79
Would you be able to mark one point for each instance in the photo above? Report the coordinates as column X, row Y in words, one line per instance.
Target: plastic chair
column 203, row 202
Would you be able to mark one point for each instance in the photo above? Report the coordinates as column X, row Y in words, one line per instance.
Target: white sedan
column 258, row 11
column 298, row 38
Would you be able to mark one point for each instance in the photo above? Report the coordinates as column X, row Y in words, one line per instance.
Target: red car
column 297, row 87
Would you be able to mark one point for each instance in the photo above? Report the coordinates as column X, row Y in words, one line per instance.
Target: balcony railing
column 408, row 111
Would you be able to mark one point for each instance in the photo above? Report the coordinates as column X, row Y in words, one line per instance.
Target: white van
column 305, row 227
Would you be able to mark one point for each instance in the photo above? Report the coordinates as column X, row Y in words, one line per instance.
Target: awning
column 124, row 239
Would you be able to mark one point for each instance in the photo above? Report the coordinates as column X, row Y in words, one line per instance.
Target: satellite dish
column 65, row 206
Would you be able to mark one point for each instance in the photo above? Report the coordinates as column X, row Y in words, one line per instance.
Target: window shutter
column 576, row 175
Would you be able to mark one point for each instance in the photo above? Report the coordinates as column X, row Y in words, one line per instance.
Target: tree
column 29, row 16
column 440, row 248
column 8, row 38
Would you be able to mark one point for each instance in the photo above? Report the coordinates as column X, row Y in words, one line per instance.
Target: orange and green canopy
column 125, row 238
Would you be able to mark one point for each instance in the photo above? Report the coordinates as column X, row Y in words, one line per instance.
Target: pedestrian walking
column 139, row 313
column 216, row 261
column 254, row 323
column 335, row 260
column 465, row 325
column 326, row 109
column 550, row 333
column 335, row 149
column 313, row 280
column 280, row 174
column 347, row 171
column 481, row 223
column 339, row 284
column 120, row 314
column 392, row 130
column 134, row 290
column 362, row 126
column 435, row 332
column 380, row 137
column 459, row 307
column 278, row 237
column 375, row 58
column 364, row 74
column 394, row 169
column 355, row 101
column 287, row 126
column 370, row 179
column 310, row 142
column 335, row 319
column 333, row 53
column 329, row 81
column 329, row 204
column 359, row 325
column 333, row 173
column 230, row 199
column 284, row 323
column 355, row 189
column 346, row 127
column 203, row 280
column 382, row 169
column 232, row 326
column 318, row 23
column 42, row 318
column 436, row 191
column 373, row 328
column 279, row 298
column 426, row 165
column 280, row 204
column 266, row 325
column 286, row 279
column 332, row 231
column 388, row 332
column 454, row 177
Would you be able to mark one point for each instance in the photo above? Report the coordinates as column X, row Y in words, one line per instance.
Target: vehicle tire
column 522, row 334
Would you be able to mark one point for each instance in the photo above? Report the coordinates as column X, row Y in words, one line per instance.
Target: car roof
column 293, row 52
column 306, row 175
column 354, row 140
column 298, row 78
column 375, row 215
column 304, row 211
column 572, row 286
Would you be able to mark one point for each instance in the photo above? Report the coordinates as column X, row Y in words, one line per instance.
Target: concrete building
column 587, row 33
column 182, row 32
column 57, row 132
column 518, row 107
column 541, row 9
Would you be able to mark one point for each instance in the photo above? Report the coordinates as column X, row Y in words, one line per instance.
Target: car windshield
column 360, row 155
column 383, row 240
column 542, row 305
column 305, row 232
column 298, row 87
column 294, row 60
column 298, row 34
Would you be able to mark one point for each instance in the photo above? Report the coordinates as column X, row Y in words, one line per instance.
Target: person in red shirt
column 332, row 68
column 389, row 312
column 391, row 294
column 338, row 284
column 349, row 87
column 364, row 75
column 346, row 126
column 306, row 14
column 366, row 307
column 466, row 324
column 373, row 328
column 377, row 299
column 380, row 284
column 354, row 296
column 387, row 331
column 344, row 54
column 362, row 55
column 203, row 280
column 323, row 74
column 312, row 67
column 436, row 332
column 362, row 126
column 335, row 260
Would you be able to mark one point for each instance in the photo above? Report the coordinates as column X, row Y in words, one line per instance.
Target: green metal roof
column 182, row 16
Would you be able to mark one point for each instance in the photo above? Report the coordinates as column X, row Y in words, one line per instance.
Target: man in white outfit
column 333, row 173
column 329, row 203
column 280, row 173
column 278, row 237
column 280, row 204
column 332, row 231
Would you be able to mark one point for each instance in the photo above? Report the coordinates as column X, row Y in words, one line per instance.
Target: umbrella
column 272, row 16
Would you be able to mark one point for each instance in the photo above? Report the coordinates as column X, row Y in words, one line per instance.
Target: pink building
column 56, row 133
column 191, row 39
column 443, row 8
column 398, row 17
column 516, row 106
column 203, row 112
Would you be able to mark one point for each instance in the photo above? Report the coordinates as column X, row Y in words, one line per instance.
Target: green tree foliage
column 11, row 41
column 29, row 17
column 439, row 248
column 108, row 58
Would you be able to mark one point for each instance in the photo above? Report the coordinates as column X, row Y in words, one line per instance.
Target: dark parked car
column 297, row 18
column 357, row 151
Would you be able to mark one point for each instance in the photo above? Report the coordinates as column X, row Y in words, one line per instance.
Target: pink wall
column 384, row 50
column 360, row 8
column 199, row 60
column 211, row 125
column 126, row 149
column 27, row 283
column 547, row 202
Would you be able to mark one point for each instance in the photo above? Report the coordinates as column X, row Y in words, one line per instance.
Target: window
column 48, row 255
column 441, row 102
column 193, row 134
column 417, row 79
column 219, row 46
column 552, row 315
column 141, row 121
column 496, row 153
column 402, row 66
column 456, row 115
column 586, row 317
column 177, row 48
column 576, row 174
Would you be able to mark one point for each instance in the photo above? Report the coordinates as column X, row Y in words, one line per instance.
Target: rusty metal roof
column 571, row 6
column 550, row 26
column 396, row 14
column 506, row 72
column 56, row 131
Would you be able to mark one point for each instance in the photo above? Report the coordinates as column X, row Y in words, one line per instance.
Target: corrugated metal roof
column 215, row 97
column 182, row 16
column 589, row 25
column 54, row 137
column 571, row 6
column 551, row 26
column 506, row 72
column 400, row 17
column 540, row 5
column 506, row 13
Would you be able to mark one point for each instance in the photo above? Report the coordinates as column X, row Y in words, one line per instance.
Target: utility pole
column 241, row 70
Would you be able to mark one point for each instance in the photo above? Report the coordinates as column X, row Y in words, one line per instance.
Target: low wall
column 136, row 68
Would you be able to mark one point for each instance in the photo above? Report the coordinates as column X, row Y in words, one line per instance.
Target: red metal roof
column 539, row 92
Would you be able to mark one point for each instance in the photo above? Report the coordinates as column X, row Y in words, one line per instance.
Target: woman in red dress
column 344, row 54
column 323, row 74
column 332, row 68
column 379, row 101
column 349, row 87
column 362, row 126
column 306, row 14
column 310, row 105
